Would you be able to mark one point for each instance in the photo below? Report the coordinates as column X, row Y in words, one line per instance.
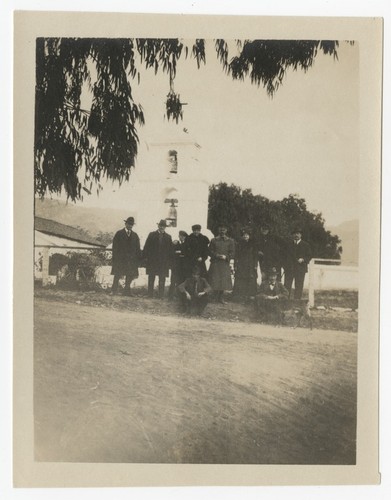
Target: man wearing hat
column 197, row 249
column 180, row 263
column 269, row 252
column 157, row 254
column 271, row 297
column 298, row 255
column 126, row 256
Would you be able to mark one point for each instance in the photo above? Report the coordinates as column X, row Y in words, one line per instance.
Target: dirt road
column 123, row 386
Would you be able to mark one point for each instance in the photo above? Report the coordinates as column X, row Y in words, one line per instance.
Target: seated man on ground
column 271, row 298
column 194, row 293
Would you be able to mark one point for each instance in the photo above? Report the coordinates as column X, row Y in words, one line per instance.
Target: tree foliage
column 238, row 208
column 265, row 62
column 78, row 144
column 104, row 237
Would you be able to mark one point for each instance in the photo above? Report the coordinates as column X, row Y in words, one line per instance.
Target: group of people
column 193, row 283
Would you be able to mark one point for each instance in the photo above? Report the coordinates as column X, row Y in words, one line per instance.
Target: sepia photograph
column 198, row 275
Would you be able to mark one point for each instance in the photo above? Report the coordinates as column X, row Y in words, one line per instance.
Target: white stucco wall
column 154, row 183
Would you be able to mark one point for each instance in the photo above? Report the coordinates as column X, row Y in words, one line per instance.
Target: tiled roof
column 52, row 227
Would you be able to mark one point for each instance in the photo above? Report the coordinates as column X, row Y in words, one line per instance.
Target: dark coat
column 197, row 246
column 265, row 305
column 269, row 252
column 180, row 268
column 126, row 254
column 278, row 290
column 190, row 285
column 157, row 253
column 246, row 263
column 246, row 258
column 293, row 252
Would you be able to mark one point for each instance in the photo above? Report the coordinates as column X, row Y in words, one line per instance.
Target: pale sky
column 303, row 141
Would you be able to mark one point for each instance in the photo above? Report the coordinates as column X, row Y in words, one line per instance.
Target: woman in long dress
column 246, row 263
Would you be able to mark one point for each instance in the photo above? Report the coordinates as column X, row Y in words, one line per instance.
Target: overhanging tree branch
column 75, row 148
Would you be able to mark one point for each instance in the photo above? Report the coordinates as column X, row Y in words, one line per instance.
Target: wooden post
column 311, row 283
column 45, row 266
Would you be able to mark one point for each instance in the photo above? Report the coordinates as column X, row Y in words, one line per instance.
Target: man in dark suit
column 269, row 252
column 179, row 264
column 157, row 254
column 197, row 249
column 126, row 256
column 297, row 258
column 271, row 298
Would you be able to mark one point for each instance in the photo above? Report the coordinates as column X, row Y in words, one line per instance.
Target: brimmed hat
column 129, row 220
column 196, row 227
column 297, row 229
column 272, row 272
column 162, row 223
column 183, row 233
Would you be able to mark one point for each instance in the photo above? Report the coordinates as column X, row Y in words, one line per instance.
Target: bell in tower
column 172, row 213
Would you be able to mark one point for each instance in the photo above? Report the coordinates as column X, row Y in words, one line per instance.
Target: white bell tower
column 171, row 185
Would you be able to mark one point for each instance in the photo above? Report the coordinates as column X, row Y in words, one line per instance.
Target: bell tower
column 171, row 185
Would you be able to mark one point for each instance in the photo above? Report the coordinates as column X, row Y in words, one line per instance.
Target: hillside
column 91, row 219
column 104, row 220
column 349, row 234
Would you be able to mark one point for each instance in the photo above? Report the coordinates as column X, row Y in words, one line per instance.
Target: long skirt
column 220, row 275
column 245, row 285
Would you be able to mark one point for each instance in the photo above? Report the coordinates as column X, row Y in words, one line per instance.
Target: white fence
column 327, row 274
column 323, row 274
column 104, row 277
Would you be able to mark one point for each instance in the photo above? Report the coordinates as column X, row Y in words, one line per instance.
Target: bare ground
column 339, row 308
column 124, row 386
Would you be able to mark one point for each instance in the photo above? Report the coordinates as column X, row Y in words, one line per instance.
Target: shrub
column 80, row 270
